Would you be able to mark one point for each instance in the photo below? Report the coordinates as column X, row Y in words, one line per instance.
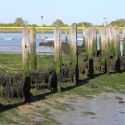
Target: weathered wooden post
column 123, row 52
column 104, row 47
column 90, row 52
column 116, row 37
column 124, row 41
column 85, row 41
column 85, row 54
column 33, row 48
column 25, row 64
column 66, row 37
column 94, row 43
column 74, row 52
column 58, row 53
column 111, row 50
column 110, row 40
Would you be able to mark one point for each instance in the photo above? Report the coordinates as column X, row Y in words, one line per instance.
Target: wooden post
column 85, row 38
column 85, row 54
column 74, row 51
column 73, row 41
column 111, row 41
column 25, row 52
column 104, row 47
column 25, row 64
column 58, row 53
column 124, row 41
column 33, row 48
column 116, row 36
column 90, row 52
column 94, row 44
column 26, row 89
column 66, row 37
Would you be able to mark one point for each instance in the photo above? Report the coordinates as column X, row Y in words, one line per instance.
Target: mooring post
column 123, row 40
column 66, row 37
column 58, row 54
column 116, row 37
column 90, row 52
column 94, row 46
column 74, row 52
column 104, row 47
column 33, row 48
column 85, row 54
column 25, row 64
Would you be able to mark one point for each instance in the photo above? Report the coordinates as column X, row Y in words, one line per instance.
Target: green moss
column 66, row 38
column 94, row 48
column 1, row 91
column 26, row 71
column 33, row 60
column 58, row 67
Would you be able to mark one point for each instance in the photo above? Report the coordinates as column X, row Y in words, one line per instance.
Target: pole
column 42, row 27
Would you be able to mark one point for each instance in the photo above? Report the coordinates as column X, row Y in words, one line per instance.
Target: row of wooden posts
column 109, row 41
column 109, row 44
column 57, row 48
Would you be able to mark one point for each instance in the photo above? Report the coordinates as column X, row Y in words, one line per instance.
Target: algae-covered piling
column 25, row 52
column 33, row 48
column 58, row 53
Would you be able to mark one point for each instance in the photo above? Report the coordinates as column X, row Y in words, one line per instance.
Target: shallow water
column 14, row 46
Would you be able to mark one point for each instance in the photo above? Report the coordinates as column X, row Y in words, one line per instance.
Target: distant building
column 105, row 22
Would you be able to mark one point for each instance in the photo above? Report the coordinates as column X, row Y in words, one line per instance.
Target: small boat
column 8, row 38
column 121, row 39
column 47, row 38
column 79, row 38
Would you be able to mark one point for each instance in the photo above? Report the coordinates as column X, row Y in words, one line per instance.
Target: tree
column 80, row 24
column 19, row 22
column 58, row 22
column 119, row 22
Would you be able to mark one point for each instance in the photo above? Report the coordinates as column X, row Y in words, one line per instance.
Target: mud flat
column 101, row 109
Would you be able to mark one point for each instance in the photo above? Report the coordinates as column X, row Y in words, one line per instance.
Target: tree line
column 20, row 22
column 119, row 22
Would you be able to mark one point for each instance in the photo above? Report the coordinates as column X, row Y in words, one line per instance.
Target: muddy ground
column 102, row 109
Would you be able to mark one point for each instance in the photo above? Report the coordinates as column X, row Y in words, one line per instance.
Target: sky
column 69, row 11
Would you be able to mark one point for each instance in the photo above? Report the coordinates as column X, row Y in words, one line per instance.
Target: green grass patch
column 50, row 121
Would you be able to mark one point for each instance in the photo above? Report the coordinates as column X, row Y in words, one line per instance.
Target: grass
column 12, row 63
column 86, row 88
